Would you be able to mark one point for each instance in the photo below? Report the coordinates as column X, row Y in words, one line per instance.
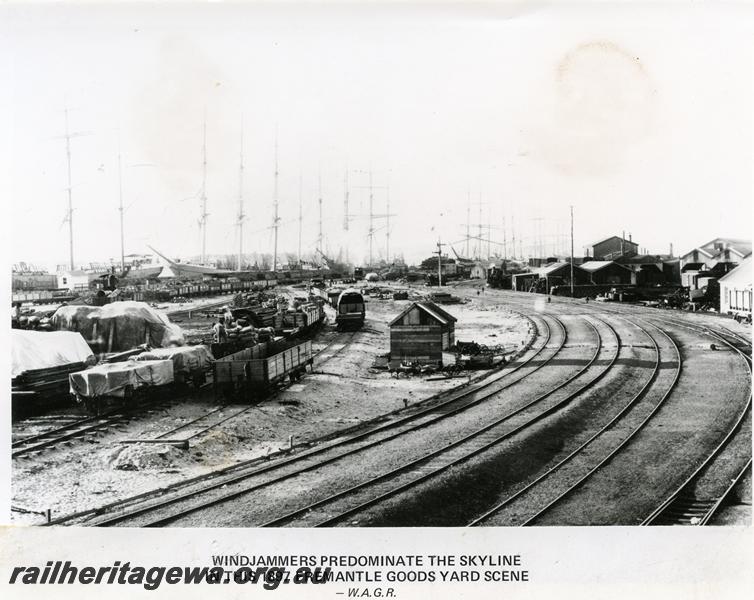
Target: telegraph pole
column 571, row 250
column 513, row 234
column 505, row 240
column 276, row 219
column 439, row 262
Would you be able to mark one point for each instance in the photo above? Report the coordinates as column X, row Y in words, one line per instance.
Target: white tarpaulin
column 44, row 349
column 111, row 379
column 185, row 358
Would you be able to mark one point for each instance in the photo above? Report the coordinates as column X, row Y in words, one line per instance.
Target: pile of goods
column 444, row 298
column 119, row 326
column 41, row 363
column 476, row 356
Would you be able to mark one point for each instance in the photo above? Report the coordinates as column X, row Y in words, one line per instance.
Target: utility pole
column 203, row 217
column 300, row 215
column 513, row 233
column 276, row 219
column 505, row 240
column 571, row 250
column 439, row 262
column 241, row 215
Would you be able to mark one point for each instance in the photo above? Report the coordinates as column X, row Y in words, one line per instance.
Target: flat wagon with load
column 121, row 382
column 256, row 371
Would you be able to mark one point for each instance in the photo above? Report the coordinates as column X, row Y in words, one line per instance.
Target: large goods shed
column 421, row 333
column 735, row 290
column 607, row 272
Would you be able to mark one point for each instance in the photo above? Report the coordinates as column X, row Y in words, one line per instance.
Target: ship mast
column 276, row 219
column 70, row 199
column 241, row 215
column 203, row 216
column 319, row 202
column 300, row 215
column 120, row 209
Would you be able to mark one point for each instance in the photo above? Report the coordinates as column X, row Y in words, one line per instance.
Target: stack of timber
column 39, row 388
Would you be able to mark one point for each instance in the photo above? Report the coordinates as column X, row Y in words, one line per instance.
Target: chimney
column 629, row 237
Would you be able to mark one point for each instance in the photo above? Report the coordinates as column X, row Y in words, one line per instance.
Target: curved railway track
column 457, row 401
column 442, row 413
column 187, row 499
column 685, row 504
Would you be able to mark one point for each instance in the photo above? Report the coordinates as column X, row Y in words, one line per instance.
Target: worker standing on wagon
column 218, row 331
column 228, row 316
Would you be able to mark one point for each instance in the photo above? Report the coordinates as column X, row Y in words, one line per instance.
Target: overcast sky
column 640, row 119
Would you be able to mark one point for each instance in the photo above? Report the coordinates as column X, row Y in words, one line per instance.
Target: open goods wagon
column 255, row 371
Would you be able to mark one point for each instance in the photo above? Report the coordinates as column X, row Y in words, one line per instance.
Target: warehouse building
column 420, row 333
column 607, row 272
column 544, row 279
column 735, row 291
column 614, row 247
column 712, row 260
column 719, row 250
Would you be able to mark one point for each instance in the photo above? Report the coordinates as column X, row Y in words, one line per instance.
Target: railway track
column 82, row 429
column 333, row 348
column 698, row 498
column 643, row 399
column 478, row 436
column 351, row 502
column 685, row 505
column 184, row 433
column 193, row 497
column 530, row 362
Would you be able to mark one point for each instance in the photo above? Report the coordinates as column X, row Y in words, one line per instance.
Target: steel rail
column 668, row 503
column 441, row 469
column 478, row 393
column 629, row 405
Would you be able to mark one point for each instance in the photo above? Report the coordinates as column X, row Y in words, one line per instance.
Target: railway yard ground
column 606, row 414
column 343, row 391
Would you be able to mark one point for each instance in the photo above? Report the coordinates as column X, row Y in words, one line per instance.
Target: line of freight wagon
column 155, row 293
